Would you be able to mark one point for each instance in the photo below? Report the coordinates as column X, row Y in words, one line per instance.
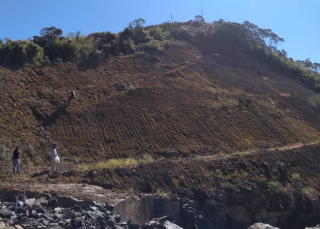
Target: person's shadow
column 48, row 121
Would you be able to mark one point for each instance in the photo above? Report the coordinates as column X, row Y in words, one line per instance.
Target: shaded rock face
column 213, row 211
column 225, row 209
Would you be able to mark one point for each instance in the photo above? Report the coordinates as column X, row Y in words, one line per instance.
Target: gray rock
column 117, row 218
column 43, row 201
column 93, row 208
column 20, row 203
column 57, row 216
column 58, row 209
column 111, row 222
column 221, row 196
column 77, row 208
column 316, row 227
column 45, row 222
column 30, row 202
column 262, row 226
column 77, row 222
column 53, row 203
column 5, row 213
column 148, row 226
column 168, row 225
column 40, row 210
column 171, row 153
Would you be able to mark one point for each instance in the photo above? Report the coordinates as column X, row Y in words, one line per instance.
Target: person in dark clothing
column 16, row 160
column 71, row 95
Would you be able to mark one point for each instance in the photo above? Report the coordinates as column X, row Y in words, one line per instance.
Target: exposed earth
column 210, row 119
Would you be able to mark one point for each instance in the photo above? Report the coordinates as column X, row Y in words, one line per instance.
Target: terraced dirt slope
column 242, row 176
column 196, row 177
column 196, row 102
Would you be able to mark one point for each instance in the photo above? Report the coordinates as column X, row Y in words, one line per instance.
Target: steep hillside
column 210, row 124
column 192, row 100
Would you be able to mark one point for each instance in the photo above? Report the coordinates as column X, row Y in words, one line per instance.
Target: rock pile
column 32, row 214
column 45, row 213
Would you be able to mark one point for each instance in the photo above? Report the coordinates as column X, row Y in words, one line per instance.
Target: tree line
column 136, row 39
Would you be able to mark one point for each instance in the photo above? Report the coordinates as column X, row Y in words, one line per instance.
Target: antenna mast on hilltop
column 201, row 12
column 171, row 18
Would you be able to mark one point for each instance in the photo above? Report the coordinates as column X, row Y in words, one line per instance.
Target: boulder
column 30, row 202
column 168, row 225
column 262, row 226
column 53, row 203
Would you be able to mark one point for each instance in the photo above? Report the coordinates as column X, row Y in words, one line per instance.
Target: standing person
column 53, row 154
column 16, row 160
column 71, row 95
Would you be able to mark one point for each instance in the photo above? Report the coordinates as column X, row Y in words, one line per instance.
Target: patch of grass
column 274, row 185
column 207, row 172
column 4, row 154
column 175, row 181
column 3, row 149
column 218, row 172
column 244, row 173
column 295, row 177
column 315, row 100
column 182, row 177
column 116, row 163
column 308, row 191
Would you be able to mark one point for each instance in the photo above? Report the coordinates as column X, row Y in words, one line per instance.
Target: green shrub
column 274, row 186
column 61, row 48
column 127, row 47
column 29, row 151
column 126, row 34
column 315, row 101
column 182, row 35
column 156, row 33
column 308, row 191
column 140, row 36
column 58, row 60
column 296, row 177
column 17, row 54
column 4, row 155
column 20, row 52
column 3, row 149
column 218, row 172
column 151, row 47
column 110, row 50
column 34, row 53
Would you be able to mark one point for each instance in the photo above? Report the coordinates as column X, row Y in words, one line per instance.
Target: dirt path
column 83, row 192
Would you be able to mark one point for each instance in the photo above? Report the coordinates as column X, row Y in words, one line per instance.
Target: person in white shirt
column 53, row 154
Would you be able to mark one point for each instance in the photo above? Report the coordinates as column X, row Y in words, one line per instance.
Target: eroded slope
column 182, row 99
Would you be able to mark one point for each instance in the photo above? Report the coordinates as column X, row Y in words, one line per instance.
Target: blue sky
column 297, row 21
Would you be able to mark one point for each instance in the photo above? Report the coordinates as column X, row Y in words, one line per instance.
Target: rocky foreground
column 45, row 213
column 31, row 214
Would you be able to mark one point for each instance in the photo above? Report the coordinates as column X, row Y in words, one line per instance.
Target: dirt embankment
column 195, row 103
column 199, row 104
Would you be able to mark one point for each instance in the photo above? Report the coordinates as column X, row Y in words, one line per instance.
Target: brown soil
column 194, row 102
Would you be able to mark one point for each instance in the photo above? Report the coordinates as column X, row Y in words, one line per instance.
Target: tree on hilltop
column 137, row 23
column 48, row 36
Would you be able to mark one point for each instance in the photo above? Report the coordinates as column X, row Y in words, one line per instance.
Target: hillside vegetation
column 183, row 90
column 136, row 39
column 194, row 87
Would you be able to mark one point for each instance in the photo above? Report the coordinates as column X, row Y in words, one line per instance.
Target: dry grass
column 115, row 163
